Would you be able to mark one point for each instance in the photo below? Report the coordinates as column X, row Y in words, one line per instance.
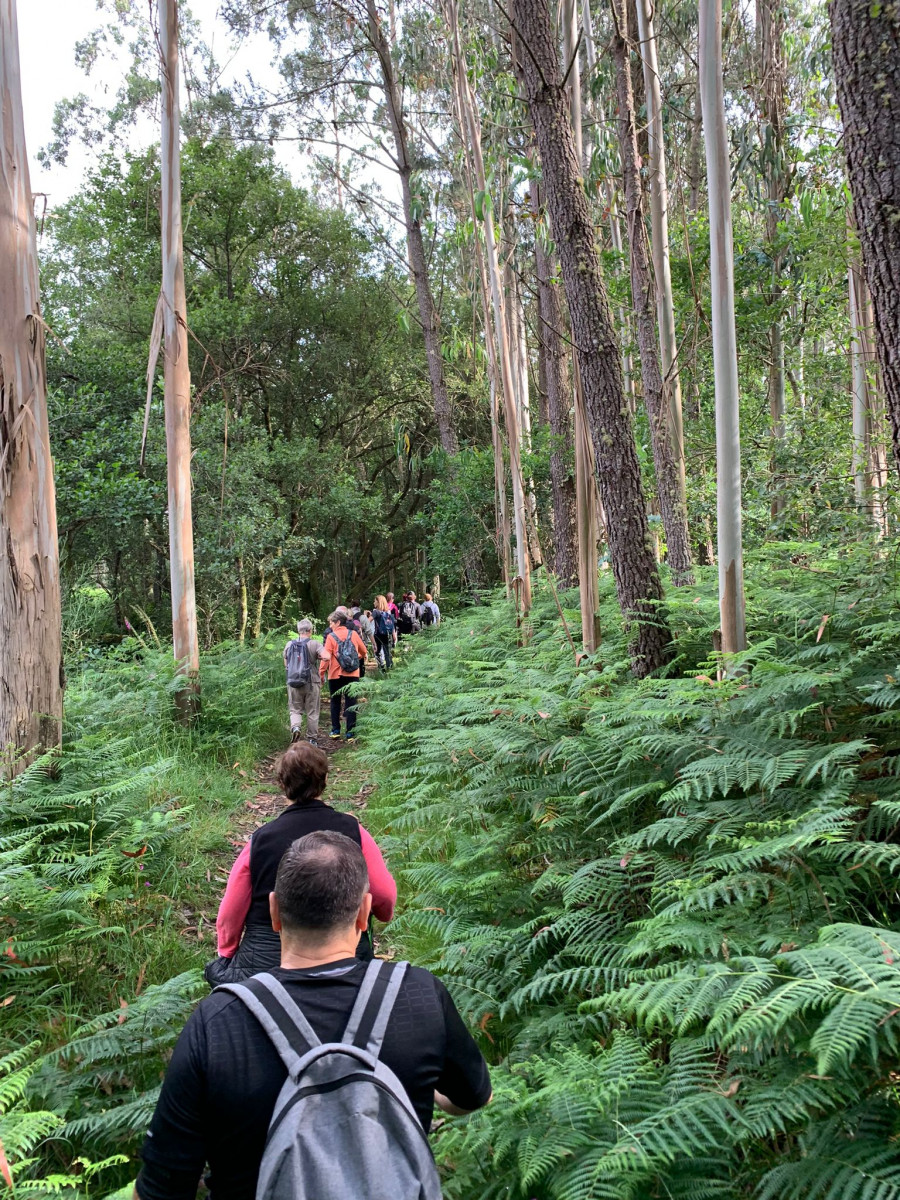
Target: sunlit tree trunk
column 554, row 358
column 865, row 41
column 876, row 426
column 728, row 431
column 665, row 440
column 659, row 221
column 428, row 314
column 31, row 669
column 773, row 84
column 177, row 372
column 859, row 389
column 636, row 575
column 471, row 131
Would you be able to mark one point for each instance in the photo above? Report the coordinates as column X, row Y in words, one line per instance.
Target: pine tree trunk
column 637, row 579
column 418, row 264
column 866, row 48
column 177, row 375
column 663, row 437
column 728, row 427
column 554, row 361
column 31, row 668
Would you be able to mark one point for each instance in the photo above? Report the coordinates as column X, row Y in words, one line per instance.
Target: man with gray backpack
column 317, row 1081
column 302, row 656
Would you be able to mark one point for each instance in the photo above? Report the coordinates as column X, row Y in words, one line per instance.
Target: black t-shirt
column 225, row 1076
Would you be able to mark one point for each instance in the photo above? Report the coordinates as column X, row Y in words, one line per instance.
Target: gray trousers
column 307, row 701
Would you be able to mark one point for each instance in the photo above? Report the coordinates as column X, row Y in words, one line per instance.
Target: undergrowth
column 669, row 908
column 112, row 859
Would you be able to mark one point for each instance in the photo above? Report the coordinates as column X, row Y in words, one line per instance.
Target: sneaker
column 335, row 734
column 295, row 734
column 314, row 741
column 351, row 737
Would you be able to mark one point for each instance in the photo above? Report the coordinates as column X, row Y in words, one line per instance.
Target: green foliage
column 670, row 907
column 108, row 902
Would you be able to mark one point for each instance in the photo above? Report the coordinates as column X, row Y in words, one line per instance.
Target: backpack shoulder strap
column 288, row 1029
column 374, row 1004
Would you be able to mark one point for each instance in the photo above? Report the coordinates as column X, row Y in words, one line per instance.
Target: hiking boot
column 295, row 733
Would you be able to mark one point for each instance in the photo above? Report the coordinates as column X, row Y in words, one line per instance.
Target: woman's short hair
column 381, row 603
column 428, row 596
column 338, row 618
column 302, row 771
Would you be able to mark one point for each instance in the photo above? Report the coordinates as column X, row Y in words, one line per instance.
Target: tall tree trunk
column 663, row 438
column 553, row 358
column 428, row 314
column 518, row 345
column 859, row 387
column 177, row 374
column 471, row 131
column 694, row 140
column 728, row 428
column 865, row 40
column 636, row 575
column 31, row 668
column 773, row 84
column 876, row 429
column 659, row 222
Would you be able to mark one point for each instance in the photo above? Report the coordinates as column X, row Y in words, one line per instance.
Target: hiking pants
column 384, row 644
column 338, row 689
column 305, row 701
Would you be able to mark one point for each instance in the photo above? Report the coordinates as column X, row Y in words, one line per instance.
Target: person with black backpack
column 385, row 631
column 410, row 619
column 346, row 653
column 431, row 614
column 302, row 656
column 318, row 1079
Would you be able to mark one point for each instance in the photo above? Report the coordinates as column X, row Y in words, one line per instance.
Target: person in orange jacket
column 346, row 654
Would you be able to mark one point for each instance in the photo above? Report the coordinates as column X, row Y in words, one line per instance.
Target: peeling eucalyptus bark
column 31, row 671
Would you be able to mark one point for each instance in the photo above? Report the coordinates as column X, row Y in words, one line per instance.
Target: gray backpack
column 343, row 1127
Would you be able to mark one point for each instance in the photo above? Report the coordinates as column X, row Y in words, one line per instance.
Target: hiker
column 367, row 627
column 410, row 619
column 431, row 614
column 247, row 943
column 302, row 656
column 392, row 607
column 339, row 1135
column 385, row 631
column 346, row 654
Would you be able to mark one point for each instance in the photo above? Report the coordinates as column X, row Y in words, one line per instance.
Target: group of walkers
column 355, row 636
column 313, row 1069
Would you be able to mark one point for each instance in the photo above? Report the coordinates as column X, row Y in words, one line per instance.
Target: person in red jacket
column 247, row 943
column 342, row 668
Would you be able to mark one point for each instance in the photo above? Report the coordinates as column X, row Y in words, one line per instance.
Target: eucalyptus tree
column 866, row 48
column 31, row 695
column 634, row 568
column 732, row 603
column 172, row 325
column 664, row 425
column 659, row 223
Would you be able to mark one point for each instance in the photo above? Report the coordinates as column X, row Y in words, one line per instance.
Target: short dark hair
column 321, row 881
column 302, row 771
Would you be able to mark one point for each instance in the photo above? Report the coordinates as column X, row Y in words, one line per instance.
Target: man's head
column 428, row 597
column 321, row 891
column 412, row 596
column 304, row 627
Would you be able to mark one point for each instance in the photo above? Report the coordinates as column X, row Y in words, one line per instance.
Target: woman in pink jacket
column 247, row 942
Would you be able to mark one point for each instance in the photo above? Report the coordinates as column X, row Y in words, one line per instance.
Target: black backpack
column 347, row 654
column 410, row 616
column 299, row 672
column 427, row 614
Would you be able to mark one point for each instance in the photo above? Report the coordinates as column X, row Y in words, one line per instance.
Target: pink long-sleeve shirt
column 239, row 893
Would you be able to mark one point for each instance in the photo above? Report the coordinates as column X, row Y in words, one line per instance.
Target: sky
column 48, row 33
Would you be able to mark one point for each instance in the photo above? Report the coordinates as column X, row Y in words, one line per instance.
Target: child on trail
column 346, row 654
column 302, row 658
